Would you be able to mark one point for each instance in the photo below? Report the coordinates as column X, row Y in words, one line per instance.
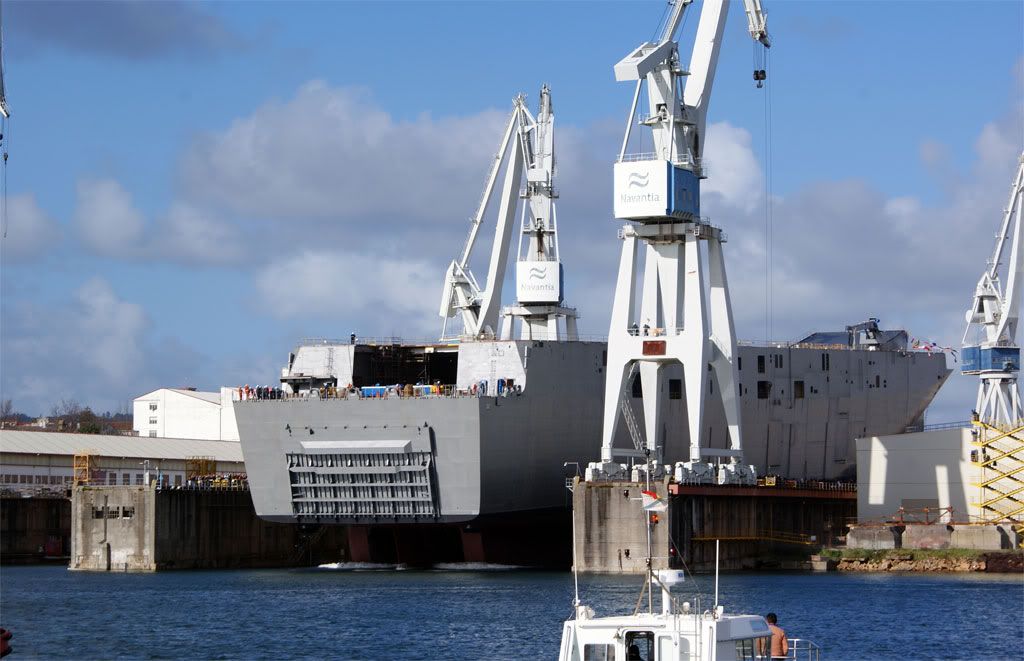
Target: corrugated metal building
column 39, row 460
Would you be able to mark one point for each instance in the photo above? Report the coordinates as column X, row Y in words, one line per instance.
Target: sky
column 194, row 187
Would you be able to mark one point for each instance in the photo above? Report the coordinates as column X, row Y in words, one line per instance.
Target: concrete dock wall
column 34, row 530
column 754, row 525
column 112, row 528
column 987, row 537
column 610, row 531
column 127, row 528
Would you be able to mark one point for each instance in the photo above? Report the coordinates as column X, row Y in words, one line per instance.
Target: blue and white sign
column 655, row 189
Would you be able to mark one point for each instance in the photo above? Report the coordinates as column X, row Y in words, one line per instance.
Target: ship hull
column 450, row 460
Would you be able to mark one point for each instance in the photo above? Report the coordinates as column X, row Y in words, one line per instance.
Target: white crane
column 993, row 315
column 527, row 147
column 659, row 192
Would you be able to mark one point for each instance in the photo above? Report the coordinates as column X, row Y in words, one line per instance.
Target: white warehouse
column 184, row 413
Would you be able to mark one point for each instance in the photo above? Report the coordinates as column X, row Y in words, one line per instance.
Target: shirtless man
column 779, row 646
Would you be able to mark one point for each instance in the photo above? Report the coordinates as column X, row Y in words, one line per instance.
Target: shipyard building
column 186, row 413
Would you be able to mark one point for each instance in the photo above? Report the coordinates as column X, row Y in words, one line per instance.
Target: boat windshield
column 639, row 646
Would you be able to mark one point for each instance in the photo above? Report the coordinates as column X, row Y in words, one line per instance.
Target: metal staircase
column 1000, row 464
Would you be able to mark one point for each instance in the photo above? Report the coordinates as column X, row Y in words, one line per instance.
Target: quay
column 752, row 523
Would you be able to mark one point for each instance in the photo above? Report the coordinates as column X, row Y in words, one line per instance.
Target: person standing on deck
column 779, row 646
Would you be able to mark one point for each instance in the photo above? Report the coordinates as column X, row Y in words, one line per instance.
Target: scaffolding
column 85, row 463
column 999, row 460
column 197, row 467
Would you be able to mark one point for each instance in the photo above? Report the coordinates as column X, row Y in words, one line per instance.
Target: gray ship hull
column 452, row 459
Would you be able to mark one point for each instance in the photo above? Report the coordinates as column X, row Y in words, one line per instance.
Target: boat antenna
column 650, row 559
column 575, row 565
column 717, row 544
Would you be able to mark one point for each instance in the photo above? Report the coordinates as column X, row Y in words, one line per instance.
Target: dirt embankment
column 936, row 561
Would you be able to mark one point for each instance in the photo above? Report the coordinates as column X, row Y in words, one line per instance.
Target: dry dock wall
column 34, row 530
column 755, row 525
column 128, row 528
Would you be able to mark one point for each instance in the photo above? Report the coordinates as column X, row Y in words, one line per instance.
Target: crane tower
column 990, row 350
column 527, row 147
column 685, row 316
column 993, row 316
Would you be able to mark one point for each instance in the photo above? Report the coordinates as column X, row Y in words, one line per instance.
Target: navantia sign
column 655, row 189
column 539, row 282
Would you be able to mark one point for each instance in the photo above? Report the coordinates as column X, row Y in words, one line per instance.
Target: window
column 138, row 478
column 40, row 479
column 675, row 388
column 111, row 478
column 126, row 478
column 739, row 363
column 798, row 389
column 644, row 642
column 826, row 362
column 98, row 513
column 152, row 419
column 778, row 360
column 760, row 364
column 177, row 480
column 763, row 388
column 598, row 653
column 127, row 512
column 878, row 381
column 152, row 406
column 152, row 433
column 751, row 649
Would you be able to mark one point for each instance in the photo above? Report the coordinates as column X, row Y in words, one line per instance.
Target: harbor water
column 356, row 612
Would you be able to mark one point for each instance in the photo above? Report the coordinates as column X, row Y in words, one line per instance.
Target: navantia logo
column 538, row 272
column 637, row 180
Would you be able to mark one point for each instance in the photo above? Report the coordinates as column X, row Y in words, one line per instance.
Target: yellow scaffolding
column 1000, row 475
column 200, row 467
column 85, row 462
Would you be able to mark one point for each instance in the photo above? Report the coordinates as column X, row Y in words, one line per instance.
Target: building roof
column 143, row 447
column 212, row 397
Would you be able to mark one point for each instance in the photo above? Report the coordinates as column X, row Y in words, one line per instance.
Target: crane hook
column 760, row 76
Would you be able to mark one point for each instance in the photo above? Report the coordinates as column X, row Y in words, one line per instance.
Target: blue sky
column 195, row 186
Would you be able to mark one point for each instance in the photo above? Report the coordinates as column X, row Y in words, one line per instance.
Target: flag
column 652, row 503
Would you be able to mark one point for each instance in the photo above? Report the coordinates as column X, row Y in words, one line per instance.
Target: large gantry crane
column 527, row 147
column 990, row 350
column 685, row 311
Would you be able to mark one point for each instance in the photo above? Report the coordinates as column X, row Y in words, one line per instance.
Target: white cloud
column 108, row 330
column 333, row 153
column 30, row 231
column 107, row 220
column 382, row 292
column 735, row 174
column 193, row 235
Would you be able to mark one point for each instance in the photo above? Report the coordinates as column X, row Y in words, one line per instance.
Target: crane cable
column 761, row 60
column 5, row 126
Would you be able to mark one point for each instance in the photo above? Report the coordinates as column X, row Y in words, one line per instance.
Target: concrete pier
column 753, row 524
column 139, row 528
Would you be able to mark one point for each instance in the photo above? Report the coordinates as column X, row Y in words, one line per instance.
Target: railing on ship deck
column 377, row 392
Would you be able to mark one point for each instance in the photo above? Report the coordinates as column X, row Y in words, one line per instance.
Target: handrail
column 802, row 648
